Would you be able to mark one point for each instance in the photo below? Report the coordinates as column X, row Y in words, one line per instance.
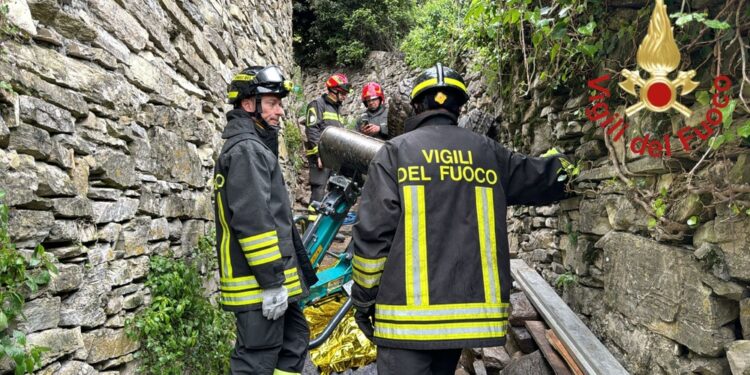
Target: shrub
column 181, row 332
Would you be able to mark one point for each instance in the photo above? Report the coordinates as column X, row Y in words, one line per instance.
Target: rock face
column 107, row 146
column 661, row 287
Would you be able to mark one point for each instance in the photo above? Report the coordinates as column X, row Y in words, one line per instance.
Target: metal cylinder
column 339, row 147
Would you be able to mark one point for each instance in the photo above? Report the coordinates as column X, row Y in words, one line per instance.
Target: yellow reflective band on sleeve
column 263, row 256
column 232, row 94
column 226, row 262
column 281, row 372
column 369, row 265
column 485, row 207
column 241, row 291
column 259, row 240
column 313, row 151
column 415, row 246
column 365, row 280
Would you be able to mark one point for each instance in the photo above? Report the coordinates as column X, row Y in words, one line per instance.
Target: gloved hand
column 365, row 318
column 274, row 302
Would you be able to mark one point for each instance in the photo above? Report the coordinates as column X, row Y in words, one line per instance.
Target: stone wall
column 107, row 147
column 661, row 305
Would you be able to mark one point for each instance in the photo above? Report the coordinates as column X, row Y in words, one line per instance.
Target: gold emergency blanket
column 346, row 348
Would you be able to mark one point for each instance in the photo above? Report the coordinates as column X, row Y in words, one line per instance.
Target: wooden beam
column 538, row 332
column 555, row 342
column 592, row 356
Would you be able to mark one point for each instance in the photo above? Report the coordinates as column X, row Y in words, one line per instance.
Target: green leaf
column 651, row 223
column 588, row 49
column 559, row 31
column 555, row 50
column 693, row 221
column 716, row 24
column 6, row 86
column 702, row 97
column 3, row 321
column 537, row 38
column 727, row 113
column 744, row 130
column 587, row 29
column 716, row 142
column 513, row 16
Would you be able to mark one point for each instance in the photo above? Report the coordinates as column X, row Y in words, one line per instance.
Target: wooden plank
column 550, row 334
column 537, row 330
column 592, row 356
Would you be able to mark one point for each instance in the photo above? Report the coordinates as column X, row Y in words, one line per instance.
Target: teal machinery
column 348, row 154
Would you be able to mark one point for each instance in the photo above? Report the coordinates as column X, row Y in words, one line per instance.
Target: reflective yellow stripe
column 240, row 291
column 233, row 94
column 255, row 239
column 454, row 82
column 369, row 265
column 226, row 262
column 415, row 246
column 281, row 372
column 441, row 330
column 260, row 244
column 433, row 81
column 365, row 280
column 331, row 116
column 442, row 312
column 243, row 77
column 263, row 257
column 487, row 246
column 313, row 151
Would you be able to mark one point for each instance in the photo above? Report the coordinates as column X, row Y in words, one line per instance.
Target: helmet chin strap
column 258, row 113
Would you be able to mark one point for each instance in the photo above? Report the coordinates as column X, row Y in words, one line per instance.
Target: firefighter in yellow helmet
column 431, row 264
column 263, row 266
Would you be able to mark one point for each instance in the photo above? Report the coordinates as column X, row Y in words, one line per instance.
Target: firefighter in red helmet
column 322, row 112
column 374, row 120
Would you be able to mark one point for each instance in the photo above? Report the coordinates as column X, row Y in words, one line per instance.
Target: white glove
column 274, row 302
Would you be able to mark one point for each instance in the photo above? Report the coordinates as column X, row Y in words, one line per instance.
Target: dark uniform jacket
column 321, row 113
column 378, row 117
column 254, row 237
column 431, row 248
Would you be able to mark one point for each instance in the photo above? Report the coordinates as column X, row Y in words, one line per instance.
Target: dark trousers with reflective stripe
column 318, row 181
column 392, row 361
column 266, row 345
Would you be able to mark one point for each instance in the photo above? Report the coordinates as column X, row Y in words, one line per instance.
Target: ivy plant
column 19, row 276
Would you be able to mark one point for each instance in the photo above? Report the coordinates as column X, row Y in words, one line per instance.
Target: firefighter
column 431, row 263
column 374, row 120
column 323, row 112
column 261, row 258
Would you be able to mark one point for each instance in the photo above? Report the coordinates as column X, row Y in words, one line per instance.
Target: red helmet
column 338, row 83
column 372, row 90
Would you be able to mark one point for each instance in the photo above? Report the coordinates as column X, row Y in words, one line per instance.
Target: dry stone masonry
column 107, row 146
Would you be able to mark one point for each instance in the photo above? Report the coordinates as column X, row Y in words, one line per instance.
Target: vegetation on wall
column 19, row 276
column 334, row 32
column 526, row 50
column 181, row 332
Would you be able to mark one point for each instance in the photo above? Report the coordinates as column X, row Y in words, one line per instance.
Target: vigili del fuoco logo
column 659, row 56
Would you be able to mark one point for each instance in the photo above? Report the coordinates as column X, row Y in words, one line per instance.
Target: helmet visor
column 269, row 75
